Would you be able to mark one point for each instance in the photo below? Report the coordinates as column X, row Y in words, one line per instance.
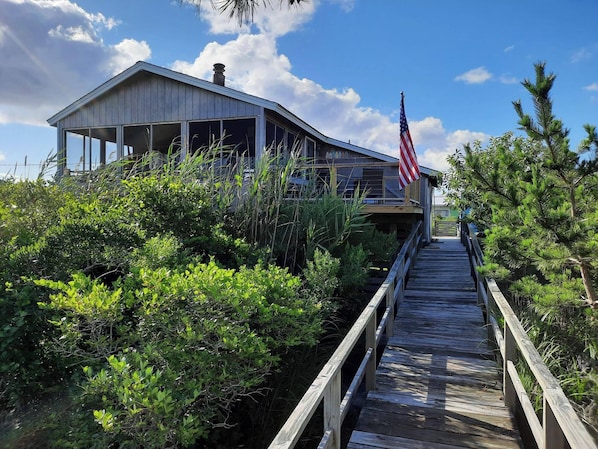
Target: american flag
column 408, row 166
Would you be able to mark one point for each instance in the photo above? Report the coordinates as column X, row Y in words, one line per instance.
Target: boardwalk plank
column 437, row 384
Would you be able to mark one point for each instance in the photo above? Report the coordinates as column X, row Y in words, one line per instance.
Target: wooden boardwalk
column 438, row 386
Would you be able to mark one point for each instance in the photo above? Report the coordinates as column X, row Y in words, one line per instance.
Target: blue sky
column 338, row 64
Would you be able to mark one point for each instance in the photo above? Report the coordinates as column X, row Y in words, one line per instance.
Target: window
column 292, row 140
column 166, row 137
column 274, row 135
column 239, row 136
column 89, row 148
column 137, row 139
column 310, row 149
column 203, row 134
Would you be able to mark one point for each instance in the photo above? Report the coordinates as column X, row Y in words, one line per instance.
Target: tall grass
column 278, row 202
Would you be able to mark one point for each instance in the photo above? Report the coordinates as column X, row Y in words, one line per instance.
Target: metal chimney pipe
column 219, row 74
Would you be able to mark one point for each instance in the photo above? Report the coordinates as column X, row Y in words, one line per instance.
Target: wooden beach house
column 150, row 108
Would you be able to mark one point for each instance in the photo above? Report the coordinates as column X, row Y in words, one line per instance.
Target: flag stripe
column 408, row 166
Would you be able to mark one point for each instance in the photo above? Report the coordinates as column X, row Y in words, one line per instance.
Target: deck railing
column 326, row 387
column 560, row 426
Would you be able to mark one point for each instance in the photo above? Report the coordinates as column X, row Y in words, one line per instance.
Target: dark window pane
column 136, row 139
column 239, row 136
column 165, row 136
column 203, row 134
column 270, row 133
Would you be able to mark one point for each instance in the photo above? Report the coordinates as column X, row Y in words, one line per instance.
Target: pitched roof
column 142, row 66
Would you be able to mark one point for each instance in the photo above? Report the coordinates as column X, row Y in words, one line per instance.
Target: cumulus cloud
column 52, row 52
column 275, row 20
column 592, row 87
column 123, row 54
column 581, row 55
column 255, row 66
column 475, row 76
column 434, row 144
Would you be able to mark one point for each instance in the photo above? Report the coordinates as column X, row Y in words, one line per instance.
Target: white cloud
column 434, row 144
column 2, row 156
column 507, row 79
column 255, row 66
column 125, row 53
column 75, row 34
column 509, row 48
column 475, row 76
column 592, row 87
column 273, row 19
column 52, row 53
column 581, row 55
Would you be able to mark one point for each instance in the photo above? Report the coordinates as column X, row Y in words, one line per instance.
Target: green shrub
column 354, row 270
column 182, row 346
column 321, row 279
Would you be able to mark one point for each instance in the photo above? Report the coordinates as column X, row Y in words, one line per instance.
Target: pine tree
column 561, row 199
column 536, row 201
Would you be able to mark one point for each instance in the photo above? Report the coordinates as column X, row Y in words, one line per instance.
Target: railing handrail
column 327, row 385
column 561, row 427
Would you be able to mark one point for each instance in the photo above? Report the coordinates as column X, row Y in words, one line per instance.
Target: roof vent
column 219, row 74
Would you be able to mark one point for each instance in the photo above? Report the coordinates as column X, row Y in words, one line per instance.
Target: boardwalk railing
column 327, row 385
column 560, row 426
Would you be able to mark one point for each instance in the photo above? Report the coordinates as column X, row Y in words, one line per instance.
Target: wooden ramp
column 438, row 386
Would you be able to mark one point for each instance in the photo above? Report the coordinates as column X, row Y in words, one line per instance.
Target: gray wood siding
column 154, row 99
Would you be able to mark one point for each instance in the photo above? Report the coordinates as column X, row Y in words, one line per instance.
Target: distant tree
column 242, row 10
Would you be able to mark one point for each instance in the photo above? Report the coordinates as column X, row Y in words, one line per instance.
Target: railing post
column 509, row 355
column 370, row 342
column 400, row 282
column 332, row 407
column 490, row 307
column 390, row 306
column 479, row 286
column 553, row 435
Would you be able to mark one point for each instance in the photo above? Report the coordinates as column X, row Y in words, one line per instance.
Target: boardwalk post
column 332, row 415
column 370, row 342
column 490, row 308
column 400, row 283
column 553, row 435
column 509, row 355
column 390, row 306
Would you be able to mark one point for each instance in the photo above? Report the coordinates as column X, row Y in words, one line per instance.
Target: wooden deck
column 438, row 386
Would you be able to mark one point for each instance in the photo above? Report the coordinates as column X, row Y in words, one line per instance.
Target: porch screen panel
column 76, row 145
column 166, row 137
column 137, row 140
column 239, row 136
column 203, row 134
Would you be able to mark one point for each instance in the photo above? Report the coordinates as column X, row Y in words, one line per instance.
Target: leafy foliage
column 535, row 200
column 151, row 297
column 181, row 346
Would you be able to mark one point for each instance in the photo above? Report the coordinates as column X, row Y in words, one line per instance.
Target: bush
column 168, row 354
